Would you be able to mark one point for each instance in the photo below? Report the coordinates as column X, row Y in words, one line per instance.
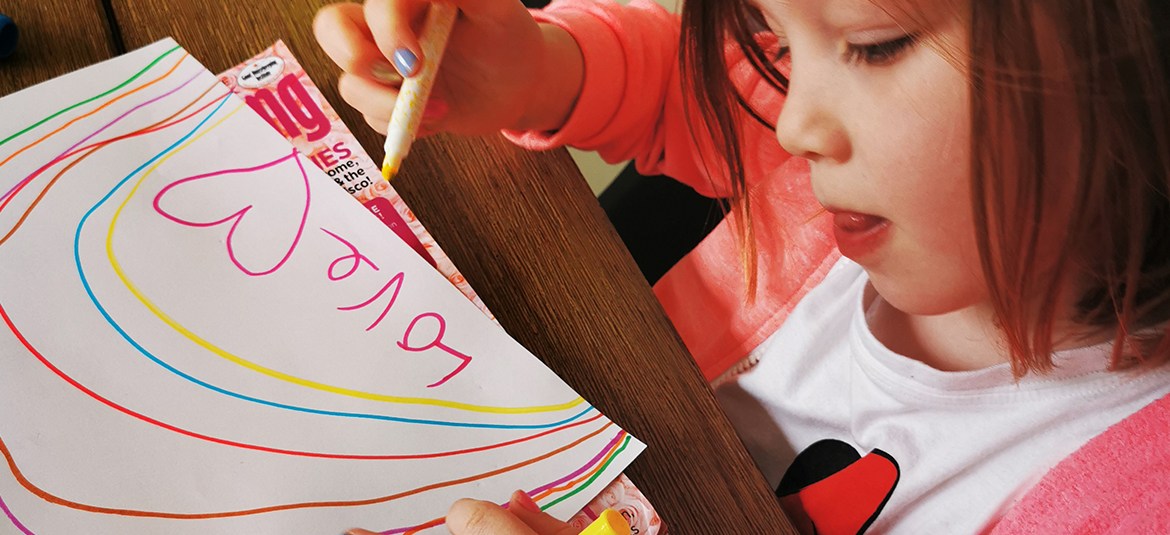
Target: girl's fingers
column 523, row 517
column 342, row 32
column 370, row 98
column 376, row 102
column 474, row 517
column 542, row 523
column 394, row 25
column 379, row 124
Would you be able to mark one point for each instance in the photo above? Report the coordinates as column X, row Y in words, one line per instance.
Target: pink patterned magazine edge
column 275, row 85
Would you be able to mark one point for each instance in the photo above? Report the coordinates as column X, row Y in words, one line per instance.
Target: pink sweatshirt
column 632, row 107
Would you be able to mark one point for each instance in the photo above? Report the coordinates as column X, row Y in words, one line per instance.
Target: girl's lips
column 857, row 234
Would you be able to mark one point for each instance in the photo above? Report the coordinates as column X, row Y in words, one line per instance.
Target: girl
column 939, row 302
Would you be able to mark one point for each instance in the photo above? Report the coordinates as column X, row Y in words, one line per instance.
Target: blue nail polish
column 404, row 61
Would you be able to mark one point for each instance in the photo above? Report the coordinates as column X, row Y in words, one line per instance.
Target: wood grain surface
column 523, row 228
column 56, row 37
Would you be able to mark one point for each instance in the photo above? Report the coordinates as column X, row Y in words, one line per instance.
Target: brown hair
column 1117, row 240
column 707, row 27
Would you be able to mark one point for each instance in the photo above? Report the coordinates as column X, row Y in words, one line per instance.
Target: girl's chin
column 915, row 297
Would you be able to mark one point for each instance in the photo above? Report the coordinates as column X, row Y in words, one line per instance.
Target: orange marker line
column 24, row 482
column 99, row 108
column 97, row 146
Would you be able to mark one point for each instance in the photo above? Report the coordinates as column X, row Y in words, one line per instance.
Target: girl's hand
column 523, row 517
column 501, row 70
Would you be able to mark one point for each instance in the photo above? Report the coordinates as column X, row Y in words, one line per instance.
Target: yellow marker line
column 273, row 373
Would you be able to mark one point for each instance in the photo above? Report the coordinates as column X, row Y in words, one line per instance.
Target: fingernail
column 404, row 61
column 523, row 500
column 436, row 109
column 384, row 72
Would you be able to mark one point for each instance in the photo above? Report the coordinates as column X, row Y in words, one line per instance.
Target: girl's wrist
column 557, row 82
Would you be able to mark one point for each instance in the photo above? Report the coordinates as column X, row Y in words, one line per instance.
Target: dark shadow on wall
column 658, row 219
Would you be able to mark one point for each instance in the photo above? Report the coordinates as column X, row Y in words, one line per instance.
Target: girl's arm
column 500, row 70
column 596, row 75
column 631, row 104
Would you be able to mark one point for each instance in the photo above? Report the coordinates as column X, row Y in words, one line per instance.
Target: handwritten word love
column 355, row 259
column 339, row 269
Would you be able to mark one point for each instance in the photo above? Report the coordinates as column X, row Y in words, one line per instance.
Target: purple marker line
column 87, row 138
column 581, row 470
column 12, row 517
column 538, row 490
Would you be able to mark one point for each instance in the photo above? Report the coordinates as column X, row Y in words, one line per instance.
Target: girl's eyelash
column 880, row 53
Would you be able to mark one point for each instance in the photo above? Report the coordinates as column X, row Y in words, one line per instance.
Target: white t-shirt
column 956, row 448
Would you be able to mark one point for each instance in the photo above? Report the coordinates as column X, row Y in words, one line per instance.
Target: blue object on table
column 7, row 36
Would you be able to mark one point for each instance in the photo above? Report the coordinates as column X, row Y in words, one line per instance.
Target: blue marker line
column 168, row 367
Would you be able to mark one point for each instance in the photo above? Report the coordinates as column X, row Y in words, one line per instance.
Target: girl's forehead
column 847, row 13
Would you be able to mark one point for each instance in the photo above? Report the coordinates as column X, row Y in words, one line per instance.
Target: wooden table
column 522, row 227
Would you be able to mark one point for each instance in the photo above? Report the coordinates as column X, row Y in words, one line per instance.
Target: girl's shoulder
column 1121, row 478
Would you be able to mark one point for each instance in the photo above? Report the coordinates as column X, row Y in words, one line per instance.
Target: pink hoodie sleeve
column 1117, row 483
column 631, row 103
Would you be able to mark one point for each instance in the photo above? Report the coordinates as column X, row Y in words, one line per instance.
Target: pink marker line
column 438, row 342
column 596, row 459
column 401, row 276
column 239, row 216
column 12, row 518
column 612, row 444
column 357, row 257
column 588, row 465
column 69, row 152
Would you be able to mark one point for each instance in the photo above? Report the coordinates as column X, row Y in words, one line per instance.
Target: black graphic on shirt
column 832, row 490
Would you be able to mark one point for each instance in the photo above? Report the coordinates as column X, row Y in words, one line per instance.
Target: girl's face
column 881, row 111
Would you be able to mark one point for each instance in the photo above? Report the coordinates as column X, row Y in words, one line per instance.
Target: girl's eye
column 880, row 53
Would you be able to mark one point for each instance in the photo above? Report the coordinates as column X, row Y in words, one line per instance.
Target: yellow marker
column 609, row 523
column 412, row 97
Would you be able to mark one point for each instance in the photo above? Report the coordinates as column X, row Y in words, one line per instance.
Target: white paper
column 193, row 340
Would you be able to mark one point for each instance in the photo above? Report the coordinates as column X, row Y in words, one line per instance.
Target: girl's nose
column 808, row 125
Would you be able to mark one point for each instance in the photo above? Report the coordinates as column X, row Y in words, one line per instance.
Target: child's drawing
column 203, row 334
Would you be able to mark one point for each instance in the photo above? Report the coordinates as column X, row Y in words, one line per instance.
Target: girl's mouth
column 858, row 235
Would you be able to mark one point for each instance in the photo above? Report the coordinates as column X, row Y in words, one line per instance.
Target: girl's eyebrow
column 913, row 12
column 859, row 12
column 837, row 15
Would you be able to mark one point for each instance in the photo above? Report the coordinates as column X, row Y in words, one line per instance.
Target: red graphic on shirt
column 832, row 490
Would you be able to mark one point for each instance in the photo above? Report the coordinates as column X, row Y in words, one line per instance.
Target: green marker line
column 590, row 481
column 120, row 86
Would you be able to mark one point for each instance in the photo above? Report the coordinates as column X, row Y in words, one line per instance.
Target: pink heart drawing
column 268, row 208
